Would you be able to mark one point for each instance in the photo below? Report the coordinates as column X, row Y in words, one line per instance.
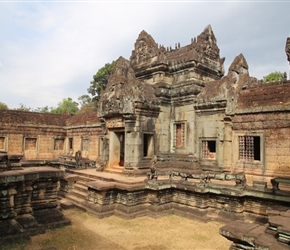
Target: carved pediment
column 124, row 90
column 145, row 52
column 239, row 65
column 206, row 44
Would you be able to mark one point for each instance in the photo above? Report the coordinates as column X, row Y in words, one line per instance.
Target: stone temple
column 172, row 134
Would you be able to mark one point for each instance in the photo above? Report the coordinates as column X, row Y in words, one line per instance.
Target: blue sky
column 51, row 50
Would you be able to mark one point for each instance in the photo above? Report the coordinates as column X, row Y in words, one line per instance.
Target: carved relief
column 287, row 49
column 116, row 122
column 146, row 50
column 124, row 89
column 207, row 44
column 142, row 52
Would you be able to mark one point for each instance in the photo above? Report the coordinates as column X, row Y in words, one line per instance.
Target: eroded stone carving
column 8, row 161
column 145, row 52
column 124, row 90
column 287, row 49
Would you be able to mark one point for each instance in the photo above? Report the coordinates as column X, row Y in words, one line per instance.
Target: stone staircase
column 78, row 193
column 114, row 169
column 75, row 189
column 145, row 163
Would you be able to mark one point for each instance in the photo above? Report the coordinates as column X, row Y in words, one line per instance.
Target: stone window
column 58, row 144
column 179, row 137
column 30, row 143
column 85, row 144
column 249, row 148
column 3, row 143
column 209, row 150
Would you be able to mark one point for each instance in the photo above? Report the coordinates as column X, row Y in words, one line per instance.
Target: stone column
column 133, row 143
column 227, row 141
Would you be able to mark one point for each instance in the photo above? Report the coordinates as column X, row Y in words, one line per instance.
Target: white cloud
column 49, row 51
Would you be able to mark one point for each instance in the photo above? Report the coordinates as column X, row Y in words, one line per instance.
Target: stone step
column 76, row 201
column 79, row 194
column 145, row 163
column 115, row 169
column 66, row 203
column 80, row 186
column 88, row 177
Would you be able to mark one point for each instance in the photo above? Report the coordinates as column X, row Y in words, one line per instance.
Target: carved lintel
column 116, row 122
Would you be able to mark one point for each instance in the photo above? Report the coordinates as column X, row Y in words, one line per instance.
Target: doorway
column 148, row 145
column 117, row 149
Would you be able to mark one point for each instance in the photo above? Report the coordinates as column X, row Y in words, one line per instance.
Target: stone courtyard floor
column 87, row 232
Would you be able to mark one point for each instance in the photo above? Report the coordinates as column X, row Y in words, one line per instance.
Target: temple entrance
column 148, row 145
column 117, row 148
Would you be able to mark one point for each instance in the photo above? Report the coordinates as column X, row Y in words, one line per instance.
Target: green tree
column 3, row 106
column 88, row 107
column 275, row 77
column 23, row 108
column 45, row 109
column 100, row 80
column 84, row 99
column 67, row 105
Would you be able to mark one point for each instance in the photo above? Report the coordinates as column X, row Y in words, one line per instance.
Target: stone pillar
column 133, row 143
column 227, row 141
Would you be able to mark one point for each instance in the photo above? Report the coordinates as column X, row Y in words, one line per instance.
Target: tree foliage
column 100, row 80
column 274, row 77
column 67, row 105
column 88, row 107
column 84, row 100
column 44, row 109
column 3, row 106
column 22, row 107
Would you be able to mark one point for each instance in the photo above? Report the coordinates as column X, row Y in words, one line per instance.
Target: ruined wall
column 183, row 119
column 263, row 112
column 273, row 128
column 29, row 203
column 163, row 132
column 31, row 134
column 40, row 136
column 209, row 137
column 83, row 133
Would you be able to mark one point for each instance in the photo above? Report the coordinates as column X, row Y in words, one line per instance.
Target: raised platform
column 29, row 202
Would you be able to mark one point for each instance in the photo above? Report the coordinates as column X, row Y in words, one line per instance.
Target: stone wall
column 32, row 134
column 29, row 203
column 40, row 136
column 224, row 196
column 273, row 128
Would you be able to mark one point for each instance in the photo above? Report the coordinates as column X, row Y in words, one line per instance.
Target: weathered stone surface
column 202, row 51
column 43, row 129
column 28, row 202
column 224, row 140
column 124, row 90
column 247, row 235
column 287, row 48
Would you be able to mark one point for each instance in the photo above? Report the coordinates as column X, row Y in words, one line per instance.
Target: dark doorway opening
column 121, row 138
column 148, row 149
